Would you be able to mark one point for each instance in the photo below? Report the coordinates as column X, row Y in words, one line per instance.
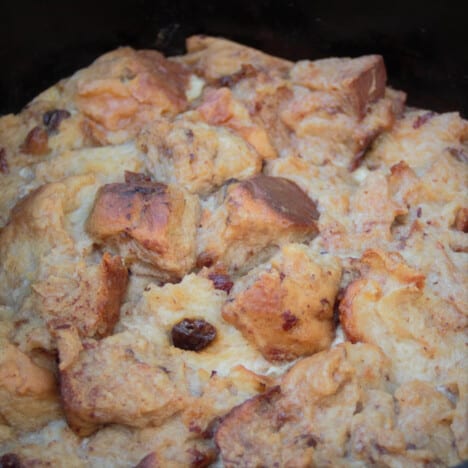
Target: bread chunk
column 45, row 276
column 255, row 216
column 388, row 306
column 335, row 408
column 222, row 374
column 356, row 82
column 116, row 380
column 90, row 299
column 217, row 58
column 29, row 395
column 124, row 89
column 325, row 131
column 285, row 308
column 152, row 225
column 420, row 137
column 198, row 156
column 219, row 107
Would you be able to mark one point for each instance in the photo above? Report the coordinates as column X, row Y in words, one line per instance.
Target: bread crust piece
column 116, row 380
column 153, row 226
column 335, row 409
column 255, row 216
column 324, row 131
column 285, row 308
column 220, row 376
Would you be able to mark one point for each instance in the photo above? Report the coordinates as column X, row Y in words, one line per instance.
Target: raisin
column 289, row 320
column 150, row 461
column 222, row 282
column 205, row 260
column 246, row 71
column 200, row 459
column 10, row 460
column 422, row 119
column 53, row 118
column 311, row 441
column 461, row 220
column 36, row 142
column 458, row 154
column 193, row 334
column 136, row 177
column 3, row 162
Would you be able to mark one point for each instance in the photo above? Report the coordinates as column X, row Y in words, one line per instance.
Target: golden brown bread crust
column 147, row 222
column 286, row 307
column 326, row 109
column 322, row 129
column 256, row 215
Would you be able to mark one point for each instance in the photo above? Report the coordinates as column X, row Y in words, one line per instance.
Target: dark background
column 423, row 42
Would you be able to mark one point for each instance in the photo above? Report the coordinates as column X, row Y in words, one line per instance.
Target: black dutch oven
column 423, row 42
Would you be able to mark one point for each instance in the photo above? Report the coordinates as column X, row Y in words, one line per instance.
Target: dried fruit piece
column 221, row 281
column 36, row 142
column 53, row 118
column 4, row 169
column 193, row 334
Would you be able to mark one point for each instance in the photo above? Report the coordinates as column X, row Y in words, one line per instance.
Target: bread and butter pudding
column 229, row 259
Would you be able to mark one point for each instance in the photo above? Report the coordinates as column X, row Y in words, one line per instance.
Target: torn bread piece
column 124, row 89
column 48, row 275
column 255, row 217
column 285, row 307
column 200, row 150
column 152, row 225
column 389, row 306
column 120, row 379
column 218, row 59
column 356, row 82
column 29, row 396
column 338, row 107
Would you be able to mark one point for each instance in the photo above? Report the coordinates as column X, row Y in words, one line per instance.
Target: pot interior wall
column 422, row 41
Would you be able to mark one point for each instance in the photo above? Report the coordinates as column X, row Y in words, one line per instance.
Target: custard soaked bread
column 229, row 259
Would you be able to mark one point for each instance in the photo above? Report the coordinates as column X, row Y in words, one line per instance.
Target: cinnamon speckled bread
column 228, row 259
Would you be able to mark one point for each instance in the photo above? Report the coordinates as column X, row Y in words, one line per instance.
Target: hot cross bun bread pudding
column 229, row 259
